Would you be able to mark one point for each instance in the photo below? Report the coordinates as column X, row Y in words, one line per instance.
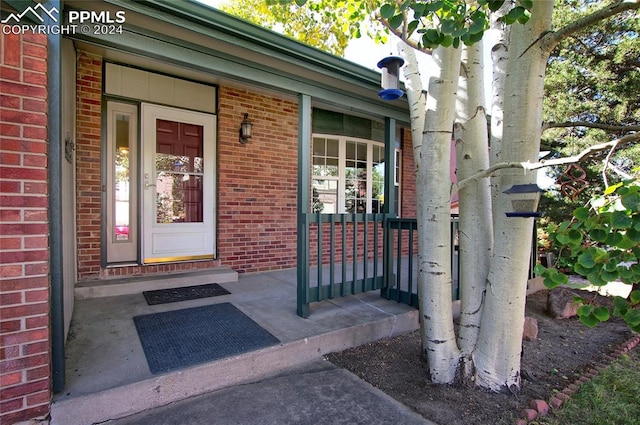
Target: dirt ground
column 563, row 349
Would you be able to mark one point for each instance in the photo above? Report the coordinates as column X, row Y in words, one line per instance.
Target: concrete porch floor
column 107, row 375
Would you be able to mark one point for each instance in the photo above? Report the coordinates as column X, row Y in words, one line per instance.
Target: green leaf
column 527, row 4
column 620, row 220
column 495, row 5
column 632, row 317
column 613, row 239
column 396, row 21
column 586, row 260
column 634, row 297
column 387, row 11
column 589, row 321
column 513, row 15
column 601, row 313
column 540, row 270
column 631, row 201
column 585, row 310
column 581, row 213
column 599, row 235
column 575, row 237
column 447, row 40
column 609, row 276
column 559, row 278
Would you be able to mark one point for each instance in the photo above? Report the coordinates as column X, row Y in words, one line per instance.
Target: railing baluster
column 319, row 289
column 399, row 264
column 355, row 253
column 332, row 254
column 410, row 272
column 376, row 221
column 343, row 219
column 365, row 249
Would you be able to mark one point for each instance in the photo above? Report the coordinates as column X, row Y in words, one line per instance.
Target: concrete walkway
column 107, row 376
column 318, row 393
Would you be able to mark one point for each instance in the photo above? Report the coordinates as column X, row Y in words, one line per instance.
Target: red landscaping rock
column 555, row 402
column 529, row 414
column 560, row 304
column 530, row 329
column 521, row 422
column 540, row 406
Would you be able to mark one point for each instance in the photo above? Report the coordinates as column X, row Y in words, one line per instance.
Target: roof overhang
column 194, row 38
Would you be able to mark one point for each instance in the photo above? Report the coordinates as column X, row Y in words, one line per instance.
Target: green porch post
column 389, row 208
column 304, row 201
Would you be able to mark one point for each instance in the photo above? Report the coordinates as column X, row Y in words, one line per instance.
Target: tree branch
column 601, row 126
column 551, row 40
column 629, row 138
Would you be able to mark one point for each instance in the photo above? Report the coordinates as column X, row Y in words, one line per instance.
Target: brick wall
column 25, row 390
column 257, row 182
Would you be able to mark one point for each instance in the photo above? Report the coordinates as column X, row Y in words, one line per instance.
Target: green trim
column 304, row 199
column 225, row 28
column 214, row 23
column 188, row 55
column 55, row 155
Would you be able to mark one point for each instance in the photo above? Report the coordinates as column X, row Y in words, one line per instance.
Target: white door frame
column 169, row 242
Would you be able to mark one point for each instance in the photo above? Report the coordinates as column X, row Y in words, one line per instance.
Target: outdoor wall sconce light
column 245, row 129
column 390, row 67
column 524, row 200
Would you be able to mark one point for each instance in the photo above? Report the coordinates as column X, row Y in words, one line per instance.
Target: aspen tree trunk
column 475, row 234
column 498, row 351
column 432, row 156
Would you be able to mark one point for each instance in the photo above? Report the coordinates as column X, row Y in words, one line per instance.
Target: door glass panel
column 179, row 168
column 122, row 213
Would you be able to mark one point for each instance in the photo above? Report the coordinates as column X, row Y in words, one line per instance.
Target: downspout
column 55, row 203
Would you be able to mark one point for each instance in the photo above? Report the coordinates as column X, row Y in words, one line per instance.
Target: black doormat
column 181, row 338
column 172, row 295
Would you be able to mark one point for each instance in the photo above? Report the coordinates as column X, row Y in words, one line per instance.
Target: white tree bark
column 432, row 154
column 498, row 351
column 475, row 234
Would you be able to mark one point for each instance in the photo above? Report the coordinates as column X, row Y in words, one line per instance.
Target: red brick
column 36, row 296
column 26, row 414
column 35, row 105
column 36, row 269
column 540, row 406
column 10, row 379
column 34, row 50
column 35, row 323
column 16, row 312
column 25, row 283
column 9, row 87
column 36, row 78
column 10, row 130
column 34, row 348
column 10, row 298
column 10, row 271
column 23, row 389
column 11, row 405
column 35, row 215
column 12, row 102
column 10, row 325
column 22, row 363
column 34, row 64
column 11, row 49
column 29, row 132
column 10, row 243
column 38, row 373
column 10, row 215
column 39, row 398
column 24, row 117
column 36, row 242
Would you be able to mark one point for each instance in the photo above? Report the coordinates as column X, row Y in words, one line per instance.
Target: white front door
column 178, row 184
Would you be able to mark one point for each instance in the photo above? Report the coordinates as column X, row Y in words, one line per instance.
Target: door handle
column 149, row 185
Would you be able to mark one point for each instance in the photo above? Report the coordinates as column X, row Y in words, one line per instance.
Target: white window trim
column 342, row 159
